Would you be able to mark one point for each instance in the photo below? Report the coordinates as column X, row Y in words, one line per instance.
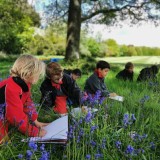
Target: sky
column 144, row 35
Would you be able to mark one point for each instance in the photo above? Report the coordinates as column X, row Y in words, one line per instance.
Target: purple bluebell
column 152, row 146
column 93, row 143
column 88, row 117
column 98, row 155
column 44, row 156
column 118, row 144
column 88, row 156
column 126, row 120
column 42, row 147
column 33, row 146
column 93, row 128
column 133, row 118
column 129, row 149
column 28, row 154
column 20, row 156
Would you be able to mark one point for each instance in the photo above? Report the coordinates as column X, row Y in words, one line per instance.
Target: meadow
column 118, row 131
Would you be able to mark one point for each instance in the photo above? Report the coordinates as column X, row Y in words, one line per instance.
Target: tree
column 108, row 12
column 16, row 17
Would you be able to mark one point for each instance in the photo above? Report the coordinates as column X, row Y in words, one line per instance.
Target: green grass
column 109, row 123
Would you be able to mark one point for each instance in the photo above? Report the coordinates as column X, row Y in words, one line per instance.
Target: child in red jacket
column 16, row 106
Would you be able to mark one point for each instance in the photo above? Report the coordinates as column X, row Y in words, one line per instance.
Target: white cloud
column 144, row 35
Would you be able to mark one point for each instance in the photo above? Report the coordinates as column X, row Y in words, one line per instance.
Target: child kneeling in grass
column 16, row 106
column 57, row 88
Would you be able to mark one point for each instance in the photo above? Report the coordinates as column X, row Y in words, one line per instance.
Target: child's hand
column 42, row 133
column 112, row 94
column 40, row 124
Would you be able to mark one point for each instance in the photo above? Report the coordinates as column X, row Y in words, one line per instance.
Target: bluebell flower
column 2, row 108
column 93, row 143
column 98, row 155
column 126, row 120
column 88, row 156
column 93, row 128
column 33, row 146
column 45, row 156
column 88, row 117
column 133, row 118
column 103, row 143
column 20, row 156
column 29, row 154
column 152, row 146
column 129, row 149
column 118, row 144
column 42, row 147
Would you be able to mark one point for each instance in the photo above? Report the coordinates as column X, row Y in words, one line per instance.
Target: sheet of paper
column 56, row 130
column 118, row 98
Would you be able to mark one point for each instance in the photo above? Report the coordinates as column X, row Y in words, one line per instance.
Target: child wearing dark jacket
column 127, row 73
column 57, row 88
column 148, row 73
column 96, row 81
column 16, row 106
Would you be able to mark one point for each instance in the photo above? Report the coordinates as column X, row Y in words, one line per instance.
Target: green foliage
column 93, row 46
column 50, row 41
column 112, row 48
column 16, row 18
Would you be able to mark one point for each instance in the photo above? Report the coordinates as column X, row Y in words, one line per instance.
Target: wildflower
column 33, row 146
column 20, row 156
column 93, row 128
column 29, row 154
column 88, row 117
column 88, row 156
column 126, row 120
column 152, row 146
column 93, row 143
column 129, row 149
column 103, row 143
column 42, row 147
column 133, row 118
column 45, row 155
column 98, row 155
column 118, row 144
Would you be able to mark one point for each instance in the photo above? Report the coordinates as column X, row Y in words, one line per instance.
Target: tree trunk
column 73, row 30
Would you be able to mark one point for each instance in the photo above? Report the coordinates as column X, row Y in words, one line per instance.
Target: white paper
column 56, row 130
column 118, row 98
column 77, row 112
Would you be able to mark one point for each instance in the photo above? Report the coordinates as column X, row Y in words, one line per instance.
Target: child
column 147, row 74
column 127, row 73
column 96, row 81
column 57, row 88
column 16, row 106
column 74, row 74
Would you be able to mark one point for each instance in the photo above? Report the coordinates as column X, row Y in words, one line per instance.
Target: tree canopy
column 107, row 12
column 16, row 18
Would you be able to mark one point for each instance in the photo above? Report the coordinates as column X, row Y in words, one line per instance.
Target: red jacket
column 17, row 108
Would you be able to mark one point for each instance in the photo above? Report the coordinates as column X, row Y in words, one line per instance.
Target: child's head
column 54, row 72
column 154, row 69
column 103, row 67
column 129, row 67
column 28, row 68
column 76, row 73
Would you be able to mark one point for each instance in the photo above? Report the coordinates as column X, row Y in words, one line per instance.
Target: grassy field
column 118, row 131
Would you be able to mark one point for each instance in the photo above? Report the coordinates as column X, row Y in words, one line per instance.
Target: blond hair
column 26, row 67
column 53, row 68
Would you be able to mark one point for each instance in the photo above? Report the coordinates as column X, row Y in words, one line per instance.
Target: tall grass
column 118, row 131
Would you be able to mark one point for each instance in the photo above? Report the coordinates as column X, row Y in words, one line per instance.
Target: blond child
column 16, row 106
